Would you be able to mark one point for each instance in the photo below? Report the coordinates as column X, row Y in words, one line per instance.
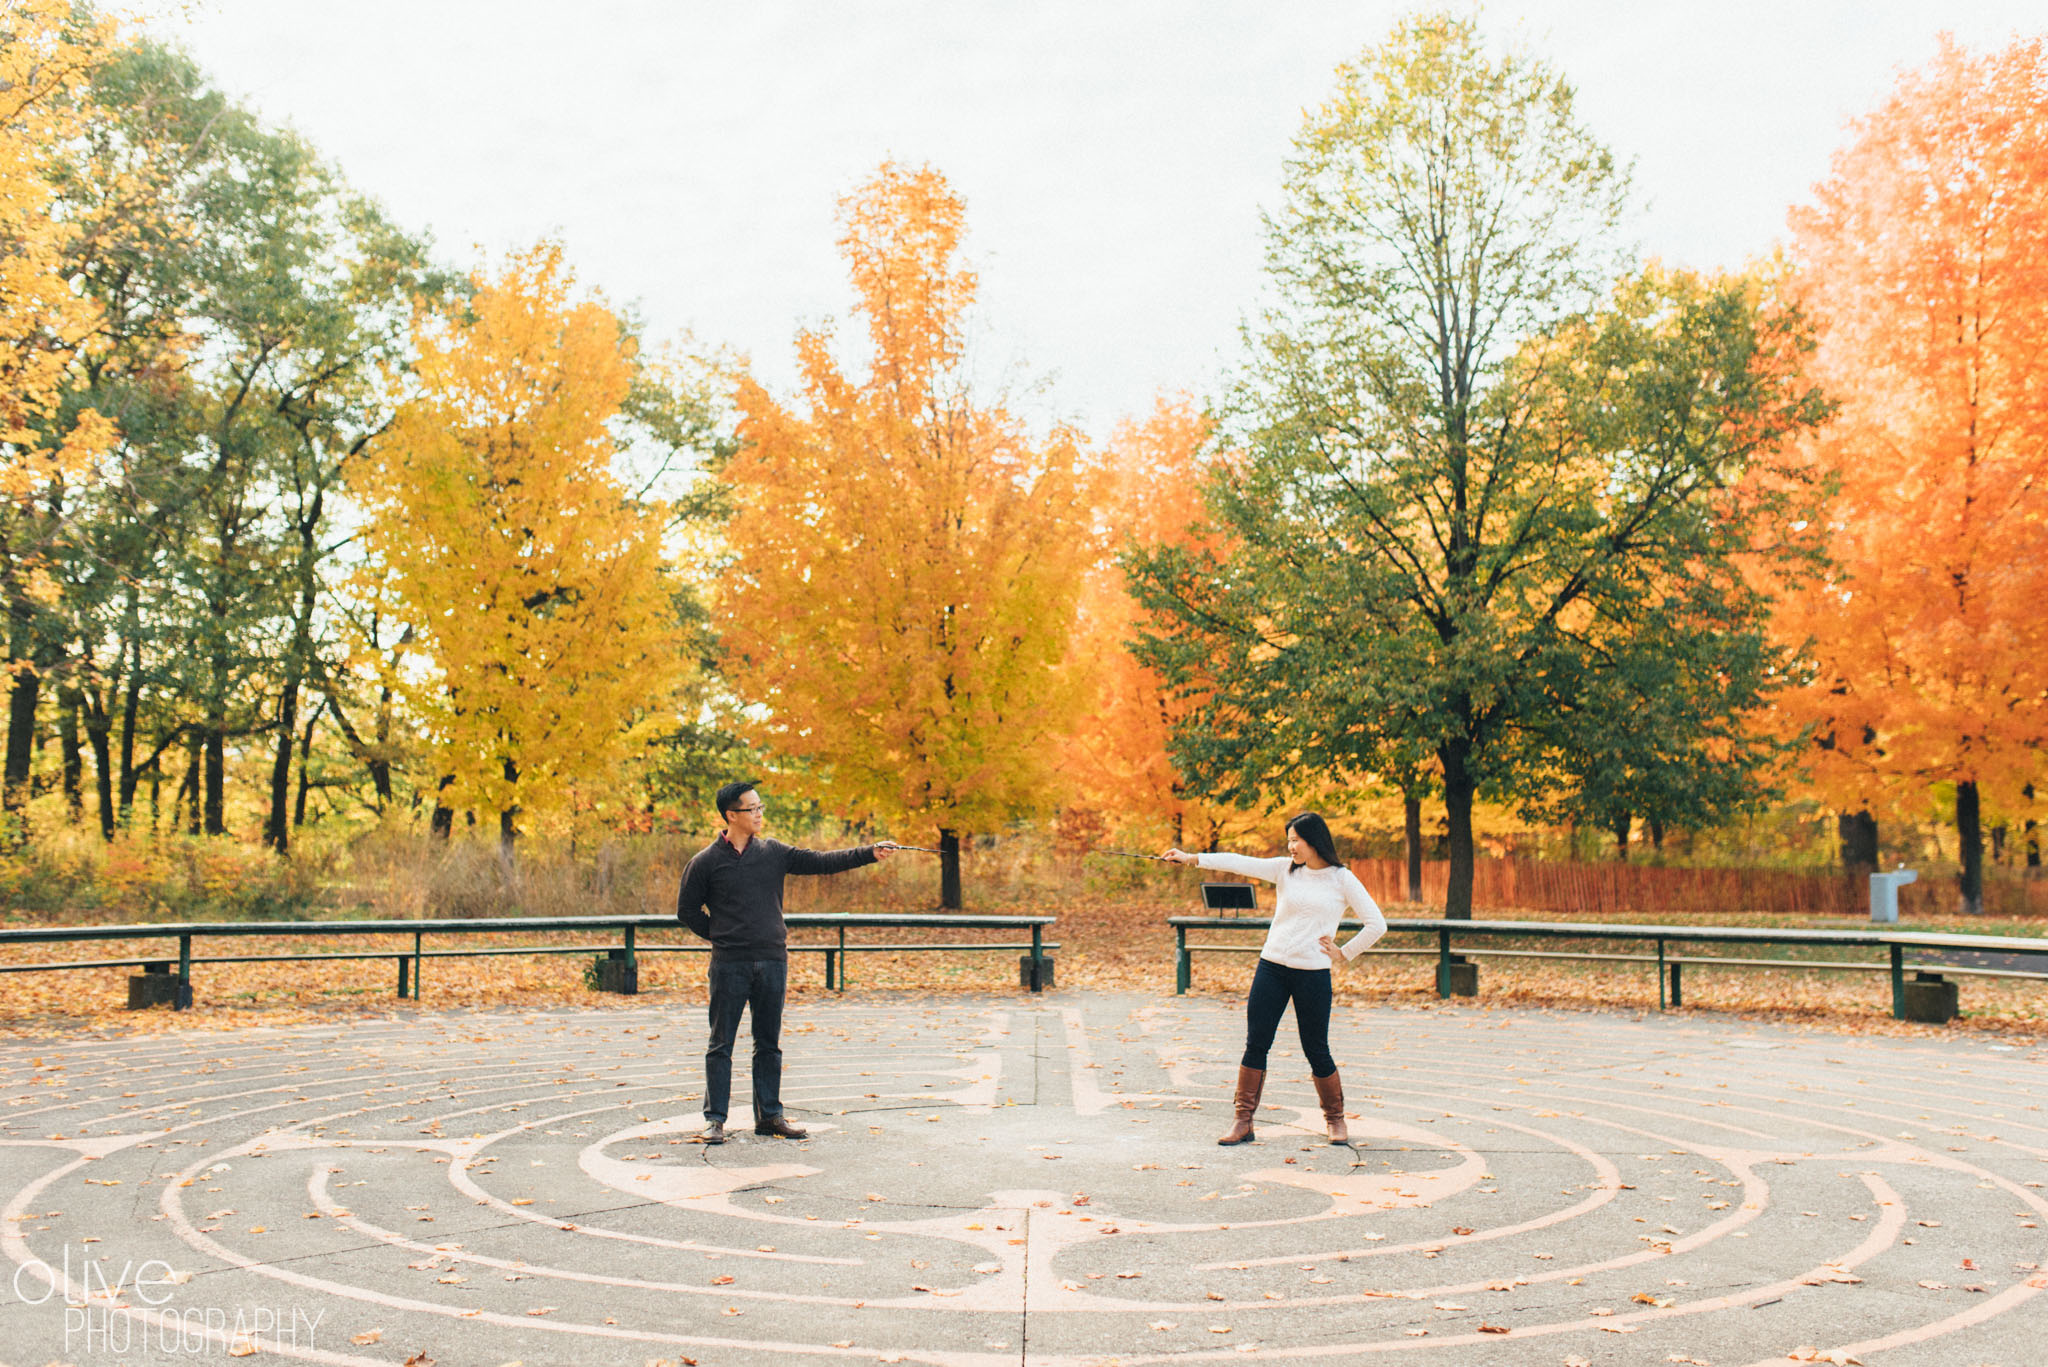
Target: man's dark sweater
column 734, row 898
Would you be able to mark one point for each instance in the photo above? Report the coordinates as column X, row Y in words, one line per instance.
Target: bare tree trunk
column 1621, row 828
column 1970, row 837
column 949, row 870
column 1411, row 842
column 508, row 829
column 305, row 766
column 2029, row 836
column 1458, row 794
column 68, row 705
column 24, row 691
column 277, row 831
column 1858, row 834
column 98, row 729
column 131, row 702
column 215, row 814
column 189, row 789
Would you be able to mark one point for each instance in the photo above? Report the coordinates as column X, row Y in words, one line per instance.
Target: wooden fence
column 1533, row 885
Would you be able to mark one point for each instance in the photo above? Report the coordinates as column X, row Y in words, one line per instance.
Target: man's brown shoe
column 779, row 1128
column 1250, row 1083
column 714, row 1133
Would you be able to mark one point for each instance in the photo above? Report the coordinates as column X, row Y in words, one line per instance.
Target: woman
column 1315, row 890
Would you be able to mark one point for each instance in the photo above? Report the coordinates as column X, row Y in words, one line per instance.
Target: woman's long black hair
column 1315, row 833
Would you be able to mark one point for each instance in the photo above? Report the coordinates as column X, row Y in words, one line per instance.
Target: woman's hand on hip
column 1328, row 944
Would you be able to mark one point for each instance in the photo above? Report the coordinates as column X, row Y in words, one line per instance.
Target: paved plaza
column 1009, row 1180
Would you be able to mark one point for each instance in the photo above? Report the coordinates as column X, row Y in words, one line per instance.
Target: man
column 732, row 896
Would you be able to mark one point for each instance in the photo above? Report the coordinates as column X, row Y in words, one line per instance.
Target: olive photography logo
column 122, row 1306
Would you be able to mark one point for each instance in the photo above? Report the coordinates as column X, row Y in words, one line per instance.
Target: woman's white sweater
column 1308, row 906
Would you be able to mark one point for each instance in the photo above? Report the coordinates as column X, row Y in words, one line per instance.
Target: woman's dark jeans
column 755, row 985
column 1273, row 986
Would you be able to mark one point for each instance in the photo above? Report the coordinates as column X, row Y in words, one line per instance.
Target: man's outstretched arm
column 830, row 861
column 690, row 899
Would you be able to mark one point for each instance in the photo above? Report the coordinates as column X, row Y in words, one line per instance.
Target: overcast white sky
column 1114, row 154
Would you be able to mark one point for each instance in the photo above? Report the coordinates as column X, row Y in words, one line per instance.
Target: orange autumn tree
column 1119, row 776
column 905, row 558
column 535, row 585
column 1925, row 263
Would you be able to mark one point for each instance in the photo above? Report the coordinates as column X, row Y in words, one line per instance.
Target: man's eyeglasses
column 757, row 807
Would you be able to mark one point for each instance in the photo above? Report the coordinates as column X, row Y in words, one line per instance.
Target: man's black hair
column 729, row 796
column 1315, row 833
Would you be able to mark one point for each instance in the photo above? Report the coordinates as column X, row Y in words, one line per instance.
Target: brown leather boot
column 1251, row 1082
column 1330, row 1091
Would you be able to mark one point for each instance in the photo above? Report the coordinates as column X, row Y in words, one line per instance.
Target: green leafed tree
column 1471, row 478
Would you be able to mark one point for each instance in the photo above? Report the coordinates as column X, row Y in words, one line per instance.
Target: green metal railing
column 1034, row 967
column 1670, row 966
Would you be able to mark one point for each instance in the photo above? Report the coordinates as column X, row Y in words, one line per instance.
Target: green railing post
column 1898, row 982
column 1443, row 962
column 1660, row 975
column 629, row 949
column 842, row 960
column 417, row 962
column 183, row 998
column 1180, row 961
column 404, row 976
column 1037, row 958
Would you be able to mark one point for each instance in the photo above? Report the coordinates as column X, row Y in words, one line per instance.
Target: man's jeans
column 736, row 987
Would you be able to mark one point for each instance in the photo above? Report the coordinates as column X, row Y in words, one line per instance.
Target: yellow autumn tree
column 48, row 54
column 543, row 626
column 905, row 559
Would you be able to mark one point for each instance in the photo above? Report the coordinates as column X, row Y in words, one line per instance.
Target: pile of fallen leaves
column 1106, row 943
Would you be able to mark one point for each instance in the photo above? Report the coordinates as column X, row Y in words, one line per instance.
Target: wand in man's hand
column 921, row 849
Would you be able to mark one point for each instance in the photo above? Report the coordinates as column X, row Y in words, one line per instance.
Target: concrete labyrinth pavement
column 990, row 1181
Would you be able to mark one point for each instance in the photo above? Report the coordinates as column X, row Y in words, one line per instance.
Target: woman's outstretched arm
column 1244, row 865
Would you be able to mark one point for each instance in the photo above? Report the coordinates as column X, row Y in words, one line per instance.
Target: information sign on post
column 1233, row 898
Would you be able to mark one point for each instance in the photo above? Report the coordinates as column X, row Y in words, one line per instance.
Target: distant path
column 1011, row 1181
column 1971, row 958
